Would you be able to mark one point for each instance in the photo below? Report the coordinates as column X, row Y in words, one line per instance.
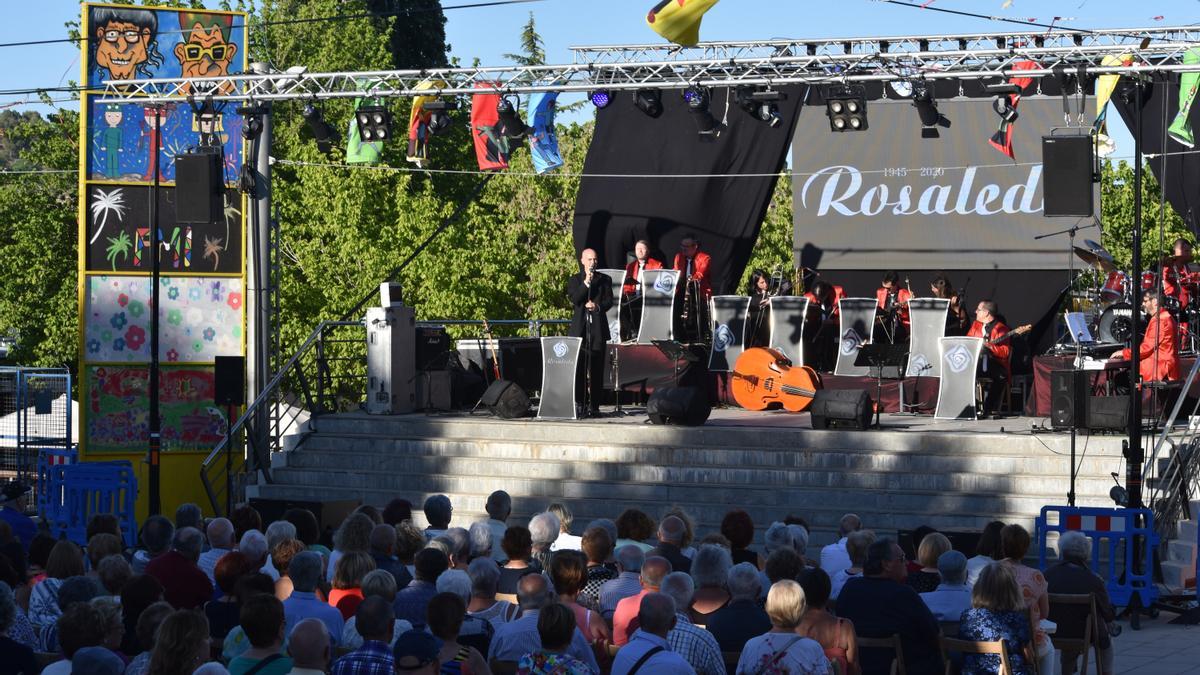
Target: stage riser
column 894, row 480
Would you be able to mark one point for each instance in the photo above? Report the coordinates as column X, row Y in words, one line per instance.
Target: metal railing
column 327, row 374
column 1173, row 466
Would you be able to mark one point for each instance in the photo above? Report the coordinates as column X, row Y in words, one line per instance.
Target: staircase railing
column 1173, row 466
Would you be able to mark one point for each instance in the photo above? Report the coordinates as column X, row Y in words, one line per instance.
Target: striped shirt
column 697, row 646
column 626, row 584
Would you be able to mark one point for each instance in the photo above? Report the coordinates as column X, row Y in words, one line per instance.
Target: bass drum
column 1116, row 323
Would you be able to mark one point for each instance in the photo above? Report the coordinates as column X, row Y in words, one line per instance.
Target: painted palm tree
column 104, row 203
column 118, row 246
column 212, row 249
column 231, row 213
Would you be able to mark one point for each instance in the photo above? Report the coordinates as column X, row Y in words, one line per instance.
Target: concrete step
column 1186, row 530
column 1178, row 575
column 1182, row 551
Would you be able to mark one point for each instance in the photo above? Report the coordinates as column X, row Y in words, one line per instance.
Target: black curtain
column 1178, row 174
column 612, row 213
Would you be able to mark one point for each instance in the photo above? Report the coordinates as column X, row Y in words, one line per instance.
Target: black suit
column 594, row 331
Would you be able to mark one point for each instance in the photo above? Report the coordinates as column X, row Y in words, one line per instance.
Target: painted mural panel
column 118, row 414
column 201, row 318
column 118, row 231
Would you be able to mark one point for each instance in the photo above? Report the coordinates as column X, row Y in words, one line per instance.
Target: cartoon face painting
column 124, row 42
column 206, row 50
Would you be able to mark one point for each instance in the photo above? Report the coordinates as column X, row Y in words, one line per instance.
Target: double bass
column 763, row 378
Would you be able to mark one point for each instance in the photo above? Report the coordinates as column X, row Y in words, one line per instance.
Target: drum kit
column 1110, row 302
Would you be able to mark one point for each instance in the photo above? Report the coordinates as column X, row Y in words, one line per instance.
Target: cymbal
column 1095, row 255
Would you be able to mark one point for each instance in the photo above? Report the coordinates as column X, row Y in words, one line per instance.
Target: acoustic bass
column 764, row 378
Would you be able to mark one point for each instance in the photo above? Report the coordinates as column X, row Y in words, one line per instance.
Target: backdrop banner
column 857, row 319
column 928, row 316
column 956, row 395
column 787, row 326
column 729, row 327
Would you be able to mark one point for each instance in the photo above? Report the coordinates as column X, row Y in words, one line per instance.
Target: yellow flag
column 679, row 20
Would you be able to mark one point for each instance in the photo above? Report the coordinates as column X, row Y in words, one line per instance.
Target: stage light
column 648, row 101
column 697, row 100
column 374, row 123
column 927, row 110
column 846, row 106
column 762, row 105
column 601, row 98
column 321, row 131
column 440, row 118
column 511, row 124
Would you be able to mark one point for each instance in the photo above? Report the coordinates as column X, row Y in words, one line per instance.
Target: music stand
column 884, row 361
column 676, row 351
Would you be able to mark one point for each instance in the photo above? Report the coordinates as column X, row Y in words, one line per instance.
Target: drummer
column 1177, row 276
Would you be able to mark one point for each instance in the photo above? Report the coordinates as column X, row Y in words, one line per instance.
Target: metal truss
column 767, row 63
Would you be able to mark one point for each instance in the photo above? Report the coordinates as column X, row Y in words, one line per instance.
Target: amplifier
column 433, row 348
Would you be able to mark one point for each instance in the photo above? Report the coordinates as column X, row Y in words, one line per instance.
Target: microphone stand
column 587, row 343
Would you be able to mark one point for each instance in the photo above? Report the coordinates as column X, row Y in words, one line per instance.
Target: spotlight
column 697, row 100
column 926, row 107
column 601, row 98
column 440, row 118
column 321, row 131
column 846, row 106
column 648, row 101
column 374, row 123
column 1004, row 109
column 762, row 105
column 511, row 124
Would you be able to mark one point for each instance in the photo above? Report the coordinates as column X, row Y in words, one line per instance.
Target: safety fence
column 1123, row 546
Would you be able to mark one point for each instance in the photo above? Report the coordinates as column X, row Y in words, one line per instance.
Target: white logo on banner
column 722, row 338
column 958, row 358
column 614, row 328
column 842, row 192
column 560, row 349
column 665, row 284
column 850, row 341
column 919, row 364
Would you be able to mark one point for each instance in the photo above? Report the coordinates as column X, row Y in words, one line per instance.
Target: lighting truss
column 730, row 64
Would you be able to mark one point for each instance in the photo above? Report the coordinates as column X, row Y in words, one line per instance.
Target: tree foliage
column 1160, row 226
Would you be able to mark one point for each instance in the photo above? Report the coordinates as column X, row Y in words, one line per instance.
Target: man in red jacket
column 1176, row 273
column 994, row 359
column 631, row 303
column 694, row 287
column 1158, row 355
column 892, row 318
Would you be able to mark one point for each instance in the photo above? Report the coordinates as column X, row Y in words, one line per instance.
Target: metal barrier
column 50, row 497
column 88, row 488
column 35, row 413
column 1128, row 567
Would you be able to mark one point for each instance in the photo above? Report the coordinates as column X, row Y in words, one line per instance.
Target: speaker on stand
column 1068, row 174
column 1069, row 391
column 229, row 390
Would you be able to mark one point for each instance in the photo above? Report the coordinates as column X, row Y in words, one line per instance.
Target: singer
column 591, row 296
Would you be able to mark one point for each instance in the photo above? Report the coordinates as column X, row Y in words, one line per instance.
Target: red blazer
column 1159, row 351
column 902, row 296
column 631, row 272
column 1172, row 280
column 1001, row 352
column 699, row 270
column 814, row 304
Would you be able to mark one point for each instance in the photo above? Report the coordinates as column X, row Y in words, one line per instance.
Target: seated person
column 997, row 613
column 1073, row 575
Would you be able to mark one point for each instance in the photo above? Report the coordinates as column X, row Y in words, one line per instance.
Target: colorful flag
column 492, row 147
column 418, row 124
column 679, row 20
column 543, row 143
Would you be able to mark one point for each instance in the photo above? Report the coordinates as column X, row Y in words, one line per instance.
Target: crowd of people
column 379, row 595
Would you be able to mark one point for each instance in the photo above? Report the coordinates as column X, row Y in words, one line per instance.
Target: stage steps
column 956, row 477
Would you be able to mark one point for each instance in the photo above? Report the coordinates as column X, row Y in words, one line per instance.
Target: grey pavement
column 1159, row 648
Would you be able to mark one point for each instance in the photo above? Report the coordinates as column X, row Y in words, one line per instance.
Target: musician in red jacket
column 1158, row 355
column 631, row 303
column 1176, row 273
column 822, row 324
column 892, row 318
column 694, row 290
column 693, row 263
column 994, row 359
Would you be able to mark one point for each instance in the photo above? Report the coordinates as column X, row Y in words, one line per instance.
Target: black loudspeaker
column 1068, row 399
column 433, row 348
column 688, row 406
column 435, row 390
column 229, row 380
column 1108, row 413
column 505, row 399
column 1068, row 163
column 850, row 408
column 199, row 190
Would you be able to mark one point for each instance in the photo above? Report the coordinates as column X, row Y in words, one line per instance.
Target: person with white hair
column 278, row 531
column 834, row 556
column 628, row 583
column 799, row 539
column 254, row 546
column 671, row 533
column 696, row 645
column 499, row 508
column 517, row 638
column 734, row 624
column 952, row 596
column 310, row 647
column 220, row 541
column 710, row 571
column 460, row 548
column 781, row 649
column 544, row 529
column 480, row 537
column 1073, row 575
column 376, row 583
column 475, row 631
column 485, row 579
column 778, row 536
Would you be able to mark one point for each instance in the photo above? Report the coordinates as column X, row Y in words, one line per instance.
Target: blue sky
column 487, row 33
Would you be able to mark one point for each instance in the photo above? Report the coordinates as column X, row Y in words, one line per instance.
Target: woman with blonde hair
column 997, row 613
column 926, row 579
column 781, row 650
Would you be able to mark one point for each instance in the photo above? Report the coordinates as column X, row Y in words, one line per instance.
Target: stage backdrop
column 612, row 213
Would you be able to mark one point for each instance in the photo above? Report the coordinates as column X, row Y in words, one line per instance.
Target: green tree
column 775, row 239
column 1160, row 224
column 533, row 49
column 416, row 31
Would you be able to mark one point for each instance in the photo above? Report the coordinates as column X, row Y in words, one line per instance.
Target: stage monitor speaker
column 1108, row 413
column 1068, row 164
column 199, row 190
column 687, row 406
column 1069, row 398
column 435, row 390
column 229, row 380
column 850, row 408
column 329, row 512
column 506, row 399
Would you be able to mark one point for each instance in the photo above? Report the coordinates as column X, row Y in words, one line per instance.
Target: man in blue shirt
column 518, row 638
column 14, row 512
column 648, row 651
column 305, row 573
column 953, row 596
column 373, row 619
column 413, row 599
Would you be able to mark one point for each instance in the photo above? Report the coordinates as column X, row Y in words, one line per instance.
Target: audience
column 473, row 631
column 303, row 603
column 1014, row 544
column 65, row 561
column 556, row 629
column 184, row 584
column 710, row 572
column 253, row 545
column 987, row 551
column 1072, row 575
column 445, row 618
column 634, row 527
column 696, row 645
column 881, row 604
column 416, row 653
column 347, row 581
column 567, row 574
column 281, row 557
column 671, row 533
column 518, row 549
column 14, row 657
column 782, row 649
column 157, row 534
column 543, row 532
column 412, row 600
column 147, row 631
column 499, row 508
column 927, row 578
column 80, row 625
column 997, row 613
column 263, row 621
column 654, row 570
column 517, row 638
column 397, row 511
column 648, row 650
column 628, row 582
column 565, row 540
column 835, row 635
column 374, row 618
column 310, row 648
column 857, row 543
column 180, row 644
column 480, row 536
column 220, row 541
column 484, row 579
column 354, row 536
column 597, row 547
column 738, row 528
column 377, row 583
column 277, row 533
column 142, row 591
column 836, row 557
column 953, row 595
column 225, row 612
column 735, row 623
column 438, row 512
column 244, row 519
